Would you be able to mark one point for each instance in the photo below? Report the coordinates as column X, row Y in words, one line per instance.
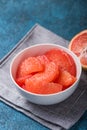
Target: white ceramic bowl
column 47, row 99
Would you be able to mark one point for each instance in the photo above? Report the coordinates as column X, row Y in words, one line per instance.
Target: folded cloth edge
column 32, row 116
column 4, row 59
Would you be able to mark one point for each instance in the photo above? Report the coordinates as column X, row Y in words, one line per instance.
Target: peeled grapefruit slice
column 62, row 59
column 45, row 88
column 78, row 45
column 29, row 65
column 48, row 75
column 66, row 79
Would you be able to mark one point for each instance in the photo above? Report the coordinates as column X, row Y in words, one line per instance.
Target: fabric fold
column 56, row 117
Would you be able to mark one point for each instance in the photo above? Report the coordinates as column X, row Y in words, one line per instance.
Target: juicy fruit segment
column 29, row 65
column 62, row 59
column 43, row 59
column 66, row 79
column 45, row 88
column 49, row 73
column 78, row 44
column 21, row 80
column 52, row 88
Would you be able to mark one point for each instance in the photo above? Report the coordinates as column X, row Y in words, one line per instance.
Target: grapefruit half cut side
column 83, row 58
column 78, row 45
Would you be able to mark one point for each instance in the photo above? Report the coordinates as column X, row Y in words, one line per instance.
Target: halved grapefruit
column 78, row 45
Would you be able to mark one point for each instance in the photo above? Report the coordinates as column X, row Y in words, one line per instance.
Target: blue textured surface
column 65, row 18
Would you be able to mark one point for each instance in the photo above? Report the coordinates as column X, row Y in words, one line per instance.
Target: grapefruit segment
column 62, row 59
column 52, row 88
column 66, row 79
column 21, row 80
column 43, row 59
column 49, row 74
column 30, row 65
column 45, row 88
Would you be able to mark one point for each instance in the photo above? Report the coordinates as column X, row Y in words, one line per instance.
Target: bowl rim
column 47, row 44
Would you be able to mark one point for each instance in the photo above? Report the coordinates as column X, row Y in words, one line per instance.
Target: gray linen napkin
column 56, row 117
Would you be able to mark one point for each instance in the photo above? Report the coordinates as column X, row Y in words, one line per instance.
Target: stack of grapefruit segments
column 49, row 73
column 78, row 45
